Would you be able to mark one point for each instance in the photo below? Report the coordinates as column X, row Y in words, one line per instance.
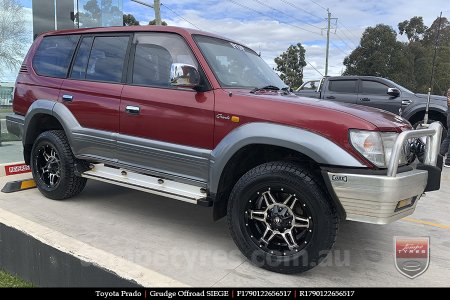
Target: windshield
column 401, row 88
column 237, row 66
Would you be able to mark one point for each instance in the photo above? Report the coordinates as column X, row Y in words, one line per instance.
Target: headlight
column 376, row 146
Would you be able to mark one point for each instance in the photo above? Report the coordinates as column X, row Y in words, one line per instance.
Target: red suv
column 199, row 118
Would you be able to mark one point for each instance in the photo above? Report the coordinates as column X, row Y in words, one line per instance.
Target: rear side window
column 81, row 60
column 342, row 86
column 54, row 54
column 107, row 58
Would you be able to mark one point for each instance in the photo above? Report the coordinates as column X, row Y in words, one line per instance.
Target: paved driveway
column 182, row 242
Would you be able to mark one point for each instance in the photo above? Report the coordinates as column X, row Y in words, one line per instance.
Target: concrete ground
column 11, row 151
column 181, row 242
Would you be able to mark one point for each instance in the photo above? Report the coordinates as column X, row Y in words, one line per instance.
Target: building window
column 99, row 13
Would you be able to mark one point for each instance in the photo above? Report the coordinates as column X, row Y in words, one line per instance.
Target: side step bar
column 147, row 183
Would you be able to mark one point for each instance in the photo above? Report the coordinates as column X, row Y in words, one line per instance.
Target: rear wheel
column 281, row 219
column 53, row 166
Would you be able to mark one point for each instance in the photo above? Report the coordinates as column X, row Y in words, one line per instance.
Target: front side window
column 342, row 86
column 373, row 88
column 107, row 59
column 155, row 56
column 54, row 54
column 237, row 66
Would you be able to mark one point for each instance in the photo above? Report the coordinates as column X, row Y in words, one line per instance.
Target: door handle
column 67, row 98
column 330, row 97
column 365, row 99
column 134, row 110
column 406, row 102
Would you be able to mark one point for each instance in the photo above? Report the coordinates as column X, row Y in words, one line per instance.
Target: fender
column 37, row 107
column 407, row 114
column 320, row 149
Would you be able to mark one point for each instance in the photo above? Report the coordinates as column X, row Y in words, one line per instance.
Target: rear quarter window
column 54, row 54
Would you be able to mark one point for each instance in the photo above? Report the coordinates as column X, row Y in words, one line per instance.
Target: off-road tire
column 69, row 184
column 295, row 178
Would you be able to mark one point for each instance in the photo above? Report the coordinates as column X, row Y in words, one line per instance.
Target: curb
column 47, row 257
column 19, row 185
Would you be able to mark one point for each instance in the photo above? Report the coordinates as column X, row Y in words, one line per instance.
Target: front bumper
column 374, row 198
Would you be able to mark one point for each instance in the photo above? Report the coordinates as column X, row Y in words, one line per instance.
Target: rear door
column 92, row 93
column 341, row 90
column 374, row 93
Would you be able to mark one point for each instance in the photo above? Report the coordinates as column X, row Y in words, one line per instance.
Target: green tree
column 153, row 22
column 13, row 34
column 130, row 20
column 410, row 63
column 290, row 64
column 413, row 28
column 423, row 62
column 379, row 54
column 429, row 38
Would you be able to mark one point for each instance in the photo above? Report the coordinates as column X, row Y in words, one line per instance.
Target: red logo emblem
column 17, row 169
column 412, row 255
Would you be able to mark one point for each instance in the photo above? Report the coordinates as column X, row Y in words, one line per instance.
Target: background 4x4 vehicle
column 202, row 119
column 380, row 93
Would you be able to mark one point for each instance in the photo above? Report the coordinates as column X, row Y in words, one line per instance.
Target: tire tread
column 298, row 172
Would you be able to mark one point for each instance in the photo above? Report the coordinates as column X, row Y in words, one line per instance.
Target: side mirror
column 183, row 75
column 393, row 92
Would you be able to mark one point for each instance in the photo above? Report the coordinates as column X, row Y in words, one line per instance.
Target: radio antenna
column 425, row 119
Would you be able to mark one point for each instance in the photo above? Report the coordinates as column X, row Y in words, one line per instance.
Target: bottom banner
column 224, row 293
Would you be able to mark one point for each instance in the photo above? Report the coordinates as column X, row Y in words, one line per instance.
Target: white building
column 6, row 93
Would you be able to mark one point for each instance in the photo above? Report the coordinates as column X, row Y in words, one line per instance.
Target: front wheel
column 281, row 218
column 444, row 130
column 53, row 166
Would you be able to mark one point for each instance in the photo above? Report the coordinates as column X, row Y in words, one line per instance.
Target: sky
column 270, row 26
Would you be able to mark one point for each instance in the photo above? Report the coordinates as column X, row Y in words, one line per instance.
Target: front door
column 164, row 130
column 374, row 93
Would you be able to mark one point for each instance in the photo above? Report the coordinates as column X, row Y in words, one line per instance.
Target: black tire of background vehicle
column 69, row 184
column 324, row 215
column 444, row 130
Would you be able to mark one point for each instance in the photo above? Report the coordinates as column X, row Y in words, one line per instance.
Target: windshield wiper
column 267, row 87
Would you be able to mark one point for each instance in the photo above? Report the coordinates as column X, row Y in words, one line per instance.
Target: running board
column 147, row 183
